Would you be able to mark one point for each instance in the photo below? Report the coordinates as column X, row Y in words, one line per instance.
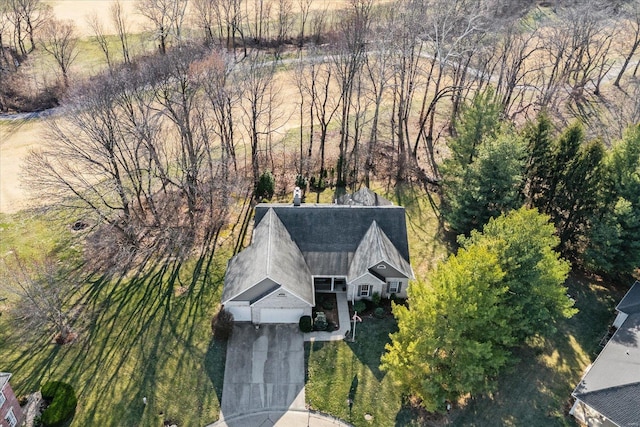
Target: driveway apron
column 264, row 370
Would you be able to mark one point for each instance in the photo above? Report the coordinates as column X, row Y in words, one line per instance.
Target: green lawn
column 338, row 371
column 137, row 338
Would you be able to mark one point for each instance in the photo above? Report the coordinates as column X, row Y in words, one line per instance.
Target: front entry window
column 364, row 290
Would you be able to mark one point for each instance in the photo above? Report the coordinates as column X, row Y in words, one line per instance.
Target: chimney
column 297, row 196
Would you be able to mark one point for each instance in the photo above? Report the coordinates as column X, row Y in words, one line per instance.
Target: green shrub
column 379, row 312
column 376, row 298
column 222, row 325
column 359, row 306
column 327, row 304
column 62, row 404
column 305, row 324
column 266, row 186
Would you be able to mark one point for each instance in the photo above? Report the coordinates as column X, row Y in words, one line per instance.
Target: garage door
column 281, row 315
column 240, row 313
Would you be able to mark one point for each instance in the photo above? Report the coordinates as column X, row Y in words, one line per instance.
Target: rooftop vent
column 297, row 196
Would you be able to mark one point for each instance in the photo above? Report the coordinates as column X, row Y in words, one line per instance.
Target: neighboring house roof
column 612, row 384
column 4, row 379
column 363, row 197
column 631, row 301
column 375, row 248
column 272, row 255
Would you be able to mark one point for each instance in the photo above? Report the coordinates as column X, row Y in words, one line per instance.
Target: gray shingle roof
column 619, row 404
column 273, row 255
column 615, row 376
column 631, row 301
column 4, row 379
column 374, row 248
column 338, row 228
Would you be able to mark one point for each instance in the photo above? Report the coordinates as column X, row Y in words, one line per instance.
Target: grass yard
column 339, row 371
column 137, row 337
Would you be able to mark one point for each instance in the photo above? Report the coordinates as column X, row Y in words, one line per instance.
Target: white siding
column 241, row 313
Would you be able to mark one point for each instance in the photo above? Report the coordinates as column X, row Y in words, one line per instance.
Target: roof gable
column 631, row 301
column 376, row 248
column 273, row 255
column 618, row 404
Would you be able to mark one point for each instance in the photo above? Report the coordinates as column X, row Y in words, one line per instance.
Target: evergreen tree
column 614, row 240
column 479, row 120
column 538, row 139
column 489, row 186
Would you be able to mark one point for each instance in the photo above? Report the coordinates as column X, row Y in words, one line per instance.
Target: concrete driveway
column 264, row 370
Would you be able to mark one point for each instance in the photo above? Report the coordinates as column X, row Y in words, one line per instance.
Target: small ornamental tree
column 266, row 186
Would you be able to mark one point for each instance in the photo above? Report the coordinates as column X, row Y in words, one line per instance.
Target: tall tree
column 167, row 17
column 119, row 22
column 41, row 297
column 487, row 187
column 60, row 41
column 505, row 284
column 452, row 339
column 524, row 242
column 614, row 240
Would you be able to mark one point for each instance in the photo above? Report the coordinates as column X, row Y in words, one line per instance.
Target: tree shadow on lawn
column 372, row 335
column 137, row 328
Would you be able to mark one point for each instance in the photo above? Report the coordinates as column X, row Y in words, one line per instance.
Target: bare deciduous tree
column 42, row 295
column 120, row 24
column 97, row 27
column 167, row 17
column 60, row 41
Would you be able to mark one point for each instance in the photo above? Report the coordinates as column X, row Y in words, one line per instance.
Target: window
column 364, row 290
column 394, row 286
column 2, row 399
column 10, row 418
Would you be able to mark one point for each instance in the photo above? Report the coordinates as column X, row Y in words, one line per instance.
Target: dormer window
column 381, row 267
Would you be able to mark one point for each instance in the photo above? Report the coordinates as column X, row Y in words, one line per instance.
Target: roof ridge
column 271, row 213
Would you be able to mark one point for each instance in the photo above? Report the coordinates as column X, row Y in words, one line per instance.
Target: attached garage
column 240, row 313
column 281, row 315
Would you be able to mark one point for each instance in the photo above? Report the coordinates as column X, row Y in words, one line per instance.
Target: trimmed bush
column 379, row 312
column 305, row 324
column 222, row 325
column 359, row 306
column 327, row 304
column 62, row 403
column 376, row 298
